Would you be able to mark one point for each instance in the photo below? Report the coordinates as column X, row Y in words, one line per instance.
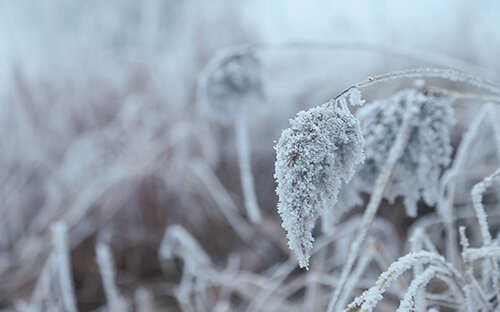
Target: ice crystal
column 319, row 152
column 427, row 152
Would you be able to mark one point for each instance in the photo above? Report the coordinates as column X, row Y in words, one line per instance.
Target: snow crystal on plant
column 477, row 202
column 369, row 299
column 427, row 152
column 355, row 98
column 231, row 81
column 319, row 152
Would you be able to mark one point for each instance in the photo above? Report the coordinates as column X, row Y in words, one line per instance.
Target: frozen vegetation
column 249, row 156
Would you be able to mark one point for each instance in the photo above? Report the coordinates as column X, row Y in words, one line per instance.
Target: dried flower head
column 231, row 81
column 319, row 152
column 427, row 152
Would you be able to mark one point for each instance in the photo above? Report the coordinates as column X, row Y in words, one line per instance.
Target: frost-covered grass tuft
column 231, row 82
column 314, row 158
column 144, row 182
column 427, row 152
column 229, row 88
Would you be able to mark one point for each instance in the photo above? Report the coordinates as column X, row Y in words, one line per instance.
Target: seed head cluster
column 427, row 152
column 315, row 156
column 231, row 81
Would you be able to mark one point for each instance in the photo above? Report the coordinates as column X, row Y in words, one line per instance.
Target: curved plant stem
column 242, row 145
column 477, row 197
column 369, row 214
column 443, row 73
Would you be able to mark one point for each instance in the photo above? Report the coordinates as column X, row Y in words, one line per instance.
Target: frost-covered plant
column 410, row 117
column 86, row 178
column 229, row 88
column 230, row 82
column 408, row 141
column 427, row 152
column 314, row 157
column 464, row 289
column 438, row 267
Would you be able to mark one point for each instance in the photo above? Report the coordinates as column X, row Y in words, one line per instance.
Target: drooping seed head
column 320, row 151
column 231, row 81
column 428, row 150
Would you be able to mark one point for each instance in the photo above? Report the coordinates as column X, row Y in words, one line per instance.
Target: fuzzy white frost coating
column 319, row 152
column 428, row 150
column 231, row 81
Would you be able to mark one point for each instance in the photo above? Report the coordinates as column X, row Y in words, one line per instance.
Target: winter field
column 165, row 155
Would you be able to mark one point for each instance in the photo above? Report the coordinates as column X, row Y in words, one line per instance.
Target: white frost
column 319, row 152
column 428, row 150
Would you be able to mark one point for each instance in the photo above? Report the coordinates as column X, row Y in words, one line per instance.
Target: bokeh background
column 100, row 127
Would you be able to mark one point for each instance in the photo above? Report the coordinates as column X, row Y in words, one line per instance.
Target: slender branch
column 477, row 197
column 247, row 181
column 443, row 73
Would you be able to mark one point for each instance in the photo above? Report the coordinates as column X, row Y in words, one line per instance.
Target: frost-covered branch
column 369, row 299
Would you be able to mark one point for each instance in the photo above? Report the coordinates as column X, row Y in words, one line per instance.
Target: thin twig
column 244, row 161
column 443, row 73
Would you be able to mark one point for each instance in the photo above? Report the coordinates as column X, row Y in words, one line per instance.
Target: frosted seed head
column 428, row 150
column 319, row 152
column 229, row 82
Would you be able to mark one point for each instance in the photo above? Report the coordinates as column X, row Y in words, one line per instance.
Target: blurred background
column 100, row 125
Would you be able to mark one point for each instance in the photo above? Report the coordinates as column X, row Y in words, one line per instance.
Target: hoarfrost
column 229, row 83
column 428, row 150
column 319, row 152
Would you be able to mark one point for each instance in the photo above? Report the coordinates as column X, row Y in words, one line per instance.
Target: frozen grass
column 147, row 184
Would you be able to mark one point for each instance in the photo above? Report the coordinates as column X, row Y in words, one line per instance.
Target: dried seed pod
column 428, row 150
column 319, row 152
column 230, row 82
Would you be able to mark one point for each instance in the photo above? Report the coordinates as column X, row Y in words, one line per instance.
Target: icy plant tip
column 320, row 151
